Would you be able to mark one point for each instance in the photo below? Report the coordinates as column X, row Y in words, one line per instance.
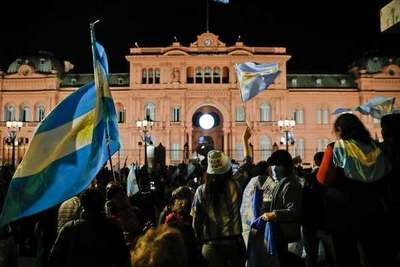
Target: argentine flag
column 254, row 78
column 68, row 148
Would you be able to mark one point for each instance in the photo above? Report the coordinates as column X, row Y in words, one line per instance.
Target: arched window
column 225, row 75
column 265, row 112
column 9, row 113
column 25, row 113
column 265, row 147
column 150, row 111
column 199, row 75
column 217, row 75
column 120, row 113
column 144, row 76
column 239, row 151
column 239, row 114
column 40, row 112
column 207, row 75
column 189, row 75
column 299, row 148
column 299, row 116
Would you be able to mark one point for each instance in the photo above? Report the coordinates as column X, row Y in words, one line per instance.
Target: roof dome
column 44, row 62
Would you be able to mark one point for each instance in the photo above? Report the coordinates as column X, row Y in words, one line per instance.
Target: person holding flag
column 68, row 148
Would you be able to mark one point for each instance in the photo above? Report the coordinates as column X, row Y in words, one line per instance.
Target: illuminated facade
column 174, row 85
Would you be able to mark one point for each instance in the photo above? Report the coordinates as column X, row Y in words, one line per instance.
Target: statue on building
column 176, row 76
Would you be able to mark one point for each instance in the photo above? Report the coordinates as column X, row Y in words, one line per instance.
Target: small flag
column 222, row 1
column 254, row 78
column 67, row 150
column 377, row 107
column 132, row 185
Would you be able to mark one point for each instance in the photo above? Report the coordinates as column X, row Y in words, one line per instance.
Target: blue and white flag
column 254, row 78
column 131, row 184
column 377, row 107
column 222, row 1
column 68, row 148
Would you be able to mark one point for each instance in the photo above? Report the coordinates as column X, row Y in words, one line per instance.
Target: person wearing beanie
column 216, row 215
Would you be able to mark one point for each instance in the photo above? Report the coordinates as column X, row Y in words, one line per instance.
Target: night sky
column 321, row 36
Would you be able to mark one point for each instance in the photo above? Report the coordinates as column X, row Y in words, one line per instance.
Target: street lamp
column 13, row 127
column 145, row 126
column 286, row 126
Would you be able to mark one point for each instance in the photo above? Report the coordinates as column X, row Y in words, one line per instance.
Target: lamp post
column 145, row 126
column 13, row 127
column 286, row 126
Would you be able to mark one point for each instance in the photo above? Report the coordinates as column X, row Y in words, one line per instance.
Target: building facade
column 174, row 85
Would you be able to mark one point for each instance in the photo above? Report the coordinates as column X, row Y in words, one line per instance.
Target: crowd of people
column 341, row 212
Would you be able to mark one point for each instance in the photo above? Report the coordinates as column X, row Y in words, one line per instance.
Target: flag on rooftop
column 254, row 78
column 222, row 1
column 68, row 148
column 377, row 107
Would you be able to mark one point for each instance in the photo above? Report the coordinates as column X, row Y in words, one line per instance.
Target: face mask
column 278, row 172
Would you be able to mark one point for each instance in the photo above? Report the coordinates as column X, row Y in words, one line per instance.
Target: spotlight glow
column 206, row 121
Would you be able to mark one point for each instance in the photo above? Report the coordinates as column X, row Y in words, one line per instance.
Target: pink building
column 174, row 85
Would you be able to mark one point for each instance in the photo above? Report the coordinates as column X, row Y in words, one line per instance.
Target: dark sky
column 321, row 36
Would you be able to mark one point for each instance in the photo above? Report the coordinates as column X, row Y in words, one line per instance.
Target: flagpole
column 207, row 15
column 94, row 69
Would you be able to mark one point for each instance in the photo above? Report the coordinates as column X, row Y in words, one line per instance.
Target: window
column 150, row 111
column 175, row 152
column 189, row 75
column 9, row 113
column 150, row 76
column 207, row 75
column 40, row 112
column 299, row 148
column 325, row 116
column 120, row 113
column 157, row 76
column 265, row 112
column 225, row 75
column 25, row 114
column 322, row 144
column 294, row 82
column 199, row 75
column 217, row 75
column 299, row 116
column 176, row 112
column 265, row 147
column 239, row 151
column 144, row 76
column 240, row 116
column 319, row 116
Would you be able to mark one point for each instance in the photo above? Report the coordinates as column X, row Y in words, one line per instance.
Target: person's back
column 92, row 240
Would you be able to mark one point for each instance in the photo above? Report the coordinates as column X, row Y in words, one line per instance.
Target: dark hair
column 318, row 158
column 262, row 167
column 282, row 158
column 183, row 192
column 113, row 189
column 351, row 127
column 214, row 185
column 91, row 200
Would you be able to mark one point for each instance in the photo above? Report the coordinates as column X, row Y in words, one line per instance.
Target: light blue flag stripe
column 222, row 1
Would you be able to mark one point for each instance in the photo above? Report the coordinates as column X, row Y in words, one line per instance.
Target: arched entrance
column 207, row 122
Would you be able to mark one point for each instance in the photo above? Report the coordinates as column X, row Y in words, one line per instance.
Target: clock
column 207, row 42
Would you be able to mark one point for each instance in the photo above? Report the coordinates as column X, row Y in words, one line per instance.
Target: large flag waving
column 254, row 78
column 68, row 148
column 377, row 107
